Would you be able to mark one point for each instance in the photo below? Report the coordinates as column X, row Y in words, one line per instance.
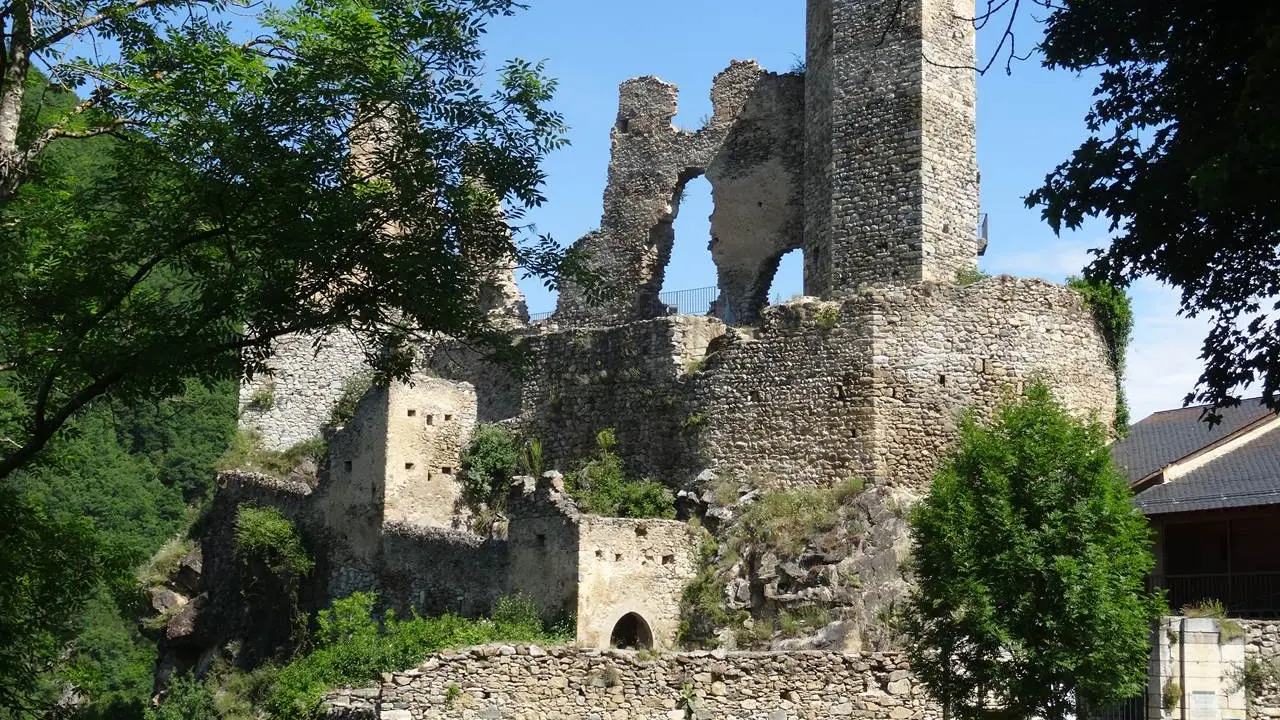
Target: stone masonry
column 529, row 682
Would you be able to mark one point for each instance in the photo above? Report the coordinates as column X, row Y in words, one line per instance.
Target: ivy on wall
column 1113, row 311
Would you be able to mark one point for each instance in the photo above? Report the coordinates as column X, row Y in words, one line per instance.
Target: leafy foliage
column 1030, row 563
column 601, row 486
column 265, row 537
column 188, row 699
column 300, row 459
column 1113, row 311
column 258, row 189
column 352, row 647
column 1181, row 161
column 353, row 389
column 488, row 463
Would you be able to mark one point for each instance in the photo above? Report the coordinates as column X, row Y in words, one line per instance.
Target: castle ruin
column 866, row 161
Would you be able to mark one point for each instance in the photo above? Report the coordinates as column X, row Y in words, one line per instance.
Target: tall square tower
column 891, row 170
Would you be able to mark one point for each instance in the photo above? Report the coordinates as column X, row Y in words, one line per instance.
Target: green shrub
column 1205, row 609
column 246, row 453
column 264, row 398
column 187, row 699
column 352, row 648
column 702, row 605
column 531, row 458
column 353, row 389
column 827, row 317
column 601, row 487
column 488, row 464
column 265, row 536
column 970, row 276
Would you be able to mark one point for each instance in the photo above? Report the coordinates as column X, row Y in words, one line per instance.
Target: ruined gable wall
column 530, row 682
column 891, row 167
column 632, row 378
column 749, row 150
column 436, row 571
column 428, row 425
column 632, row 566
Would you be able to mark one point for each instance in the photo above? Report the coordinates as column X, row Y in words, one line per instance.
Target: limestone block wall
column 749, row 150
column 890, row 151
column 1262, row 647
column 632, row 566
column 434, row 571
column 518, row 681
column 1194, row 661
column 305, row 383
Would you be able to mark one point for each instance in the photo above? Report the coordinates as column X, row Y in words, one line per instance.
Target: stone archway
column 631, row 632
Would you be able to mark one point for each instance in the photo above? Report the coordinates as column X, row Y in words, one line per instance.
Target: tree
column 340, row 169
column 1183, row 160
column 1029, row 561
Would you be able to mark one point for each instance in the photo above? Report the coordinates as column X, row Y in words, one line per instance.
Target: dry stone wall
column 532, row 683
column 1262, row 646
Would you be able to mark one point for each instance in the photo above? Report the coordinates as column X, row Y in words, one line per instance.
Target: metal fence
column 1135, row 708
column 1255, row 594
column 697, row 301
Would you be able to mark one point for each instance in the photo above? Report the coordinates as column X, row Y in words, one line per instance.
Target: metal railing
column 697, row 301
column 1255, row 594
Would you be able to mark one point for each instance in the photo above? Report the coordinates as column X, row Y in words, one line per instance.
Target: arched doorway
column 631, row 633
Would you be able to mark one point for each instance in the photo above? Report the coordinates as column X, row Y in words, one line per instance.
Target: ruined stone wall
column 872, row 387
column 436, row 571
column 518, row 681
column 631, row 378
column 305, row 383
column 942, row 349
column 750, row 152
column 1262, row 646
column 632, row 566
column 891, row 164
column 429, row 423
column 543, row 544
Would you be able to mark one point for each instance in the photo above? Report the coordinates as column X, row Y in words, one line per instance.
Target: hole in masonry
column 413, row 413
column 668, row 559
column 346, row 465
column 408, row 466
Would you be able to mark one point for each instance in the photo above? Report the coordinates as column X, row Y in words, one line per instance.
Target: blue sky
column 1027, row 123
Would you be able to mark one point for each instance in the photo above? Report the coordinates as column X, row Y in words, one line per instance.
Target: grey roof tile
column 1163, row 437
column 1247, row 476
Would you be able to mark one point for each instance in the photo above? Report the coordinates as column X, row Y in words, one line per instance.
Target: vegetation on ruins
column 1029, row 563
column 602, row 487
column 228, row 207
column 781, row 523
column 353, row 389
column 1113, row 312
column 351, row 647
column 1181, row 162
column 302, row 459
column 488, row 463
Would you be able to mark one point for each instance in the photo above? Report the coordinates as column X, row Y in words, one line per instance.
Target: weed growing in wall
column 302, row 459
column 264, row 398
column 353, row 389
column 1113, row 311
column 1256, row 677
column 601, row 486
column 266, row 538
column 827, row 317
column 970, row 276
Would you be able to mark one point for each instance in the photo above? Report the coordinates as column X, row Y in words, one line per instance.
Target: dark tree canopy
column 1183, row 160
column 1030, row 562
column 339, row 170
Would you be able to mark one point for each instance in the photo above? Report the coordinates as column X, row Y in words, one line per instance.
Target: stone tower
column 891, row 190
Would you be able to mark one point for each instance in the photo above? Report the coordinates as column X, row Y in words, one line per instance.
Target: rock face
column 528, row 682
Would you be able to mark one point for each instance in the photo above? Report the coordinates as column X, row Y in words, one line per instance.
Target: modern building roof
column 1167, row 436
column 1179, row 464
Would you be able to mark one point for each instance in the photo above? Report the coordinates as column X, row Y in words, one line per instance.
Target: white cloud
column 1164, row 356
